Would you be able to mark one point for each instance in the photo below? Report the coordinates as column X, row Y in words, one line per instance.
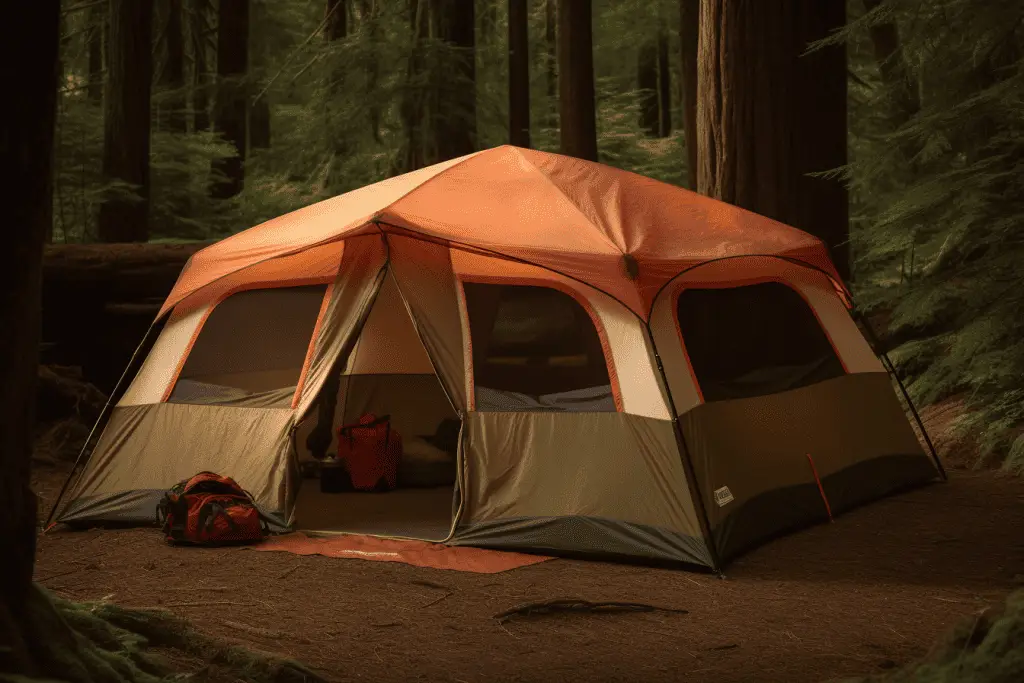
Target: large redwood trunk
column 767, row 116
column 455, row 126
column 97, row 22
column 126, row 139
column 518, row 73
column 576, row 98
column 551, row 56
column 689, row 23
column 231, row 115
column 26, row 136
column 172, row 76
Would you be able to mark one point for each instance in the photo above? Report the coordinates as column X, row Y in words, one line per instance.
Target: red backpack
column 371, row 450
column 209, row 509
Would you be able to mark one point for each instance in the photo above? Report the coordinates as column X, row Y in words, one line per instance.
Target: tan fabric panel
column 676, row 365
column 427, row 285
column 389, row 344
column 635, row 367
column 157, row 371
column 156, row 446
column 607, row 465
column 358, row 281
column 850, row 345
column 755, row 445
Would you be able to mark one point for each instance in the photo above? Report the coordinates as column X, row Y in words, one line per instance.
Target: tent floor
column 424, row 514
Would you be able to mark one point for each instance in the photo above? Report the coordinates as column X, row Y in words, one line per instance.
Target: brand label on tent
column 723, row 496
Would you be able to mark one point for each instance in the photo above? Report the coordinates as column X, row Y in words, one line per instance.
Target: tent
column 632, row 370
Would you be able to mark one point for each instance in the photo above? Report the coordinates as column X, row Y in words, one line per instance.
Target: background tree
column 647, row 83
column 664, row 85
column 577, row 116
column 551, row 53
column 518, row 73
column 689, row 24
column 94, row 32
column 231, row 116
column 456, row 120
column 768, row 116
column 26, row 136
column 172, row 69
column 201, row 34
column 124, row 215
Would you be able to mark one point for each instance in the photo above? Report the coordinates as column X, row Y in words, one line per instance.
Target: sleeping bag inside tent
column 578, row 360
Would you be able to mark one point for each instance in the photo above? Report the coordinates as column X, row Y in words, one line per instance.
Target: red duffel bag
column 370, row 450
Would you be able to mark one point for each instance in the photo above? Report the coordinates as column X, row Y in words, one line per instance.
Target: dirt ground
column 864, row 594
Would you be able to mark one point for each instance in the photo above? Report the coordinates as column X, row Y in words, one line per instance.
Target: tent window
column 535, row 349
column 251, row 348
column 753, row 340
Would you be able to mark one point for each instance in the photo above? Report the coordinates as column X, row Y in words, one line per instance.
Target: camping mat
column 416, row 553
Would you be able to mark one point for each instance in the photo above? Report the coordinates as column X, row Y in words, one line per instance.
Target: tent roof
column 577, row 217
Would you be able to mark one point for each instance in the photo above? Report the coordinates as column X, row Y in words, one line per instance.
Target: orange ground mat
column 416, row 553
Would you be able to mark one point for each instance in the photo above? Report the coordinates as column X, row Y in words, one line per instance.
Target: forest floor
column 869, row 592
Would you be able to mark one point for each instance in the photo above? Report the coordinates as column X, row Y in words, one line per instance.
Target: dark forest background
column 892, row 129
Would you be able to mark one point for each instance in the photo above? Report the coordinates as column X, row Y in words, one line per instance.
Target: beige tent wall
column 144, row 450
column 528, row 469
column 389, row 344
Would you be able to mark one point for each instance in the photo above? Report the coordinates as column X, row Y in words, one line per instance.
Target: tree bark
column 551, row 58
column 664, row 86
column 577, row 115
column 518, row 73
column 647, row 84
column 200, row 24
column 27, row 138
column 172, row 76
column 892, row 65
column 689, row 23
column 97, row 22
column 231, row 116
column 456, row 126
column 767, row 116
column 127, row 119
column 411, row 108
column 370, row 19
column 337, row 20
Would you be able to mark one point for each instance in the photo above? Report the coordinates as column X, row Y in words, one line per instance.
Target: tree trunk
column 885, row 38
column 647, row 84
column 27, row 137
column 231, row 116
column 664, row 86
column 411, row 109
column 337, row 20
column 97, row 22
column 551, row 58
column 518, row 73
column 200, row 20
column 370, row 18
column 577, row 116
column 127, row 120
column 767, row 116
column 456, row 125
column 689, row 22
column 172, row 77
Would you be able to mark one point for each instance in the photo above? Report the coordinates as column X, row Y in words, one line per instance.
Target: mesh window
column 535, row 348
column 252, row 343
column 753, row 340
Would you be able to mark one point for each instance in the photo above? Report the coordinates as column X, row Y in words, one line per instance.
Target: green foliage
column 988, row 648
column 938, row 202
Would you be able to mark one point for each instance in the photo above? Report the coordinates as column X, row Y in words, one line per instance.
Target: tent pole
column 107, row 407
column 705, row 520
column 891, row 368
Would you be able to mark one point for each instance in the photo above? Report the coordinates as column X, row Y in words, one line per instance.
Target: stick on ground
column 573, row 605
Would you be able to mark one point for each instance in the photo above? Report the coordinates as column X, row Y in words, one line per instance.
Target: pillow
column 415, row 448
